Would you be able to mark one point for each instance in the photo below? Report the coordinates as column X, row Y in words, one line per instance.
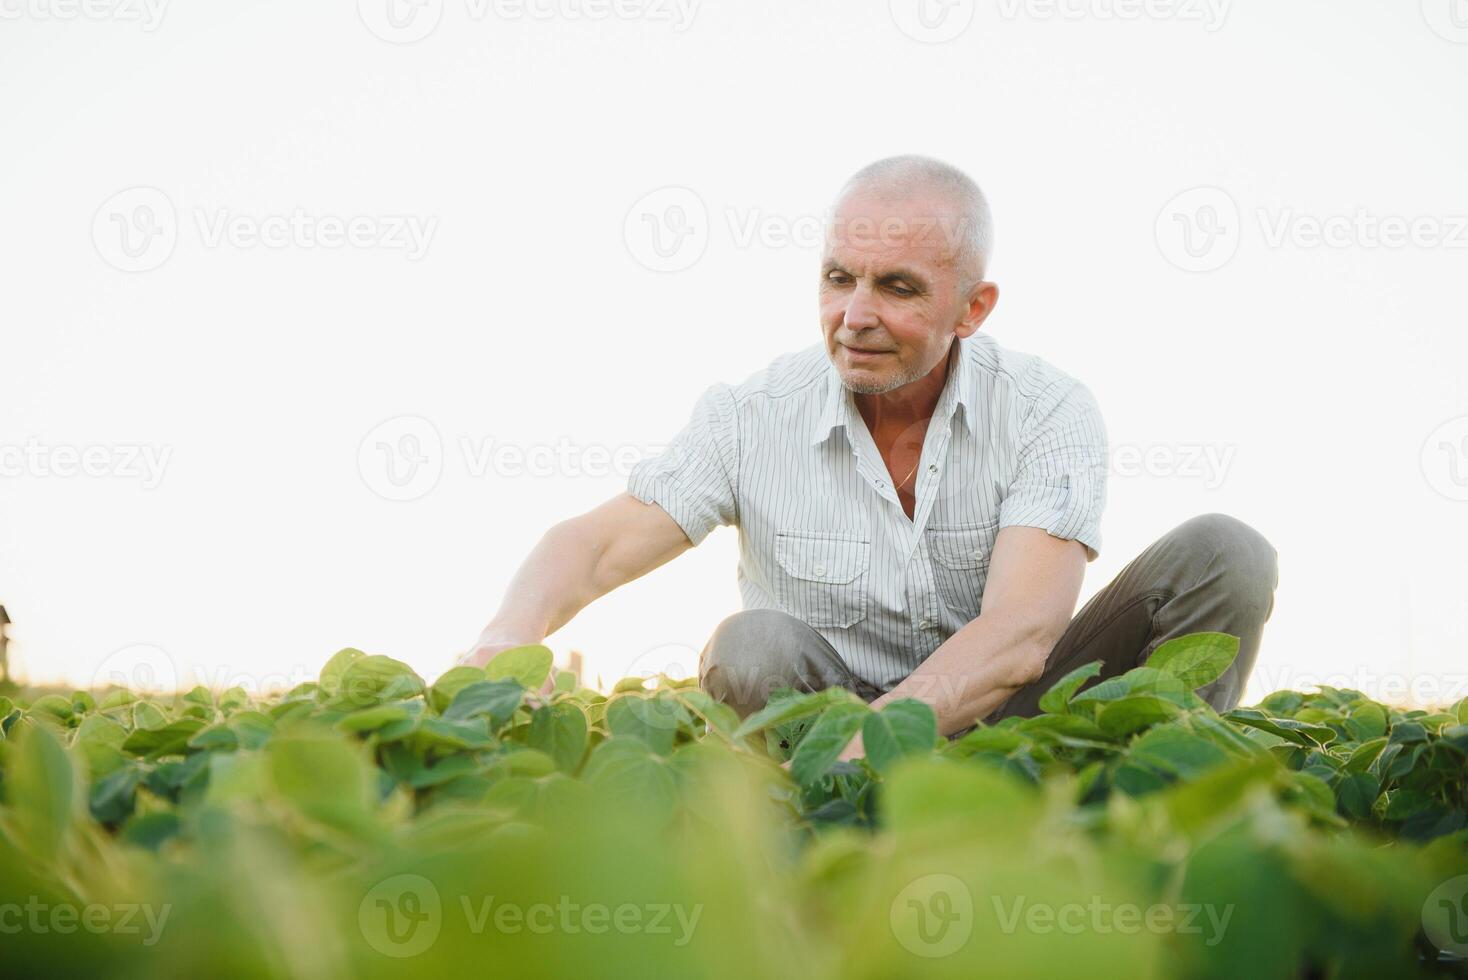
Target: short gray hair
column 973, row 238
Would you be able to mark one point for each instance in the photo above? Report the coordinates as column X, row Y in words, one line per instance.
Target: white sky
column 521, row 151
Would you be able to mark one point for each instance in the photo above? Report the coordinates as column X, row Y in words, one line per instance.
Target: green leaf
column 1364, row 754
column 116, row 698
column 1057, row 699
column 717, row 715
column 200, row 696
column 944, row 796
column 1313, row 793
column 53, row 706
column 376, row 679
column 624, row 771
column 1356, row 793
column 40, row 791
column 112, row 798
column 1408, row 732
column 830, row 734
column 1404, row 803
column 100, row 740
column 529, row 665
column 171, row 739
column 444, row 733
column 1175, row 751
column 496, row 700
column 1138, row 680
column 1367, row 722
column 1134, row 713
column 330, row 684
column 146, row 714
column 216, row 738
column 651, row 718
column 901, row 728
column 791, row 709
column 1299, row 732
column 326, row 779
column 559, row 730
column 375, row 717
column 152, row 830
column 1197, row 659
column 453, row 680
column 233, row 699
column 253, row 727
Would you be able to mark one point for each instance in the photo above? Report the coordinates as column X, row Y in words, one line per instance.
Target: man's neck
column 912, row 403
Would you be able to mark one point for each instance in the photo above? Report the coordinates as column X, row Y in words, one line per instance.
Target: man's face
column 891, row 296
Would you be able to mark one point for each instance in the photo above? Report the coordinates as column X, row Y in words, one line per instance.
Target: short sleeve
column 693, row 479
column 1060, row 483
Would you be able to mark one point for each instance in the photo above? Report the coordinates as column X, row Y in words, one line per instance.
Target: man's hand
column 489, row 644
column 484, row 649
column 1029, row 596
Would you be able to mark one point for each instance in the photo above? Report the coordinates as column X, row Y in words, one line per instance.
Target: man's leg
column 755, row 652
column 1212, row 573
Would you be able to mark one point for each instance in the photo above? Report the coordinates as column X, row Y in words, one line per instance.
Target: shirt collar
column 839, row 409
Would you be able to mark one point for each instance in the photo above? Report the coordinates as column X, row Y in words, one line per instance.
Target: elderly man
column 916, row 504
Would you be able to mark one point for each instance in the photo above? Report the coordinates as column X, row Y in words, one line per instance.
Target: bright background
column 1331, row 378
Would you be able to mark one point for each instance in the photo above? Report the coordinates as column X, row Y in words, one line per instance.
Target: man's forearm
column 577, row 562
column 554, row 582
column 977, row 669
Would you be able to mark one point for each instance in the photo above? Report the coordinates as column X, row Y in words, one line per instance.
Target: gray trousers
column 1210, row 573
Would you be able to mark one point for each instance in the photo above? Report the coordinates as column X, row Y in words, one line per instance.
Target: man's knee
column 750, row 655
column 1246, row 562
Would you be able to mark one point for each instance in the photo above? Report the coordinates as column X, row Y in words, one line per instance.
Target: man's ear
column 982, row 299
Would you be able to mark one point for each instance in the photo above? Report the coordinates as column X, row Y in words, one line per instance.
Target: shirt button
column 820, row 569
column 978, row 552
column 925, row 624
column 932, row 467
column 881, row 485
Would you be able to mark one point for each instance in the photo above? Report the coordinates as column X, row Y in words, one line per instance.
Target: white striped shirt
column 787, row 458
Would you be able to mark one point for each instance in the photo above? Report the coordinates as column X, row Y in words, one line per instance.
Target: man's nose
column 861, row 311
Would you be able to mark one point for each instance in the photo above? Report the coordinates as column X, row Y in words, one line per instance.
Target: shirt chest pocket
column 961, row 564
column 823, row 576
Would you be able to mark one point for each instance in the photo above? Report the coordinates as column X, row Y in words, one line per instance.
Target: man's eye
column 902, row 290
column 840, row 278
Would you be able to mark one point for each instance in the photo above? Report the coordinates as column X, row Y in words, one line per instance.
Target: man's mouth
column 864, row 351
